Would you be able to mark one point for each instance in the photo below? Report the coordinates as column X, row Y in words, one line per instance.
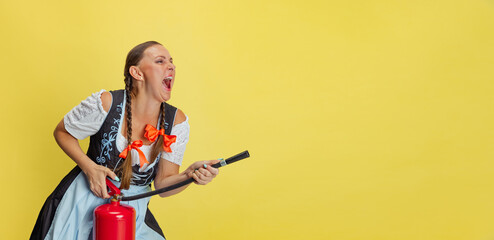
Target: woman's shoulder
column 106, row 100
column 107, row 97
column 180, row 117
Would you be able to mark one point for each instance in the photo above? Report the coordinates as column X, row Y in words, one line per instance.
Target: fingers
column 211, row 162
column 202, row 172
column 100, row 191
column 202, row 164
column 112, row 175
column 95, row 192
column 198, row 178
column 104, row 188
column 97, row 181
column 104, row 193
column 213, row 171
column 205, row 174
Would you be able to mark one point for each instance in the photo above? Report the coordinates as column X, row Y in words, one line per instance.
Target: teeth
column 168, row 78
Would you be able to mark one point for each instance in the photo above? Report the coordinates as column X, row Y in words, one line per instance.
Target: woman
column 133, row 145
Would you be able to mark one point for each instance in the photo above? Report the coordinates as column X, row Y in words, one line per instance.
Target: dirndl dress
column 68, row 212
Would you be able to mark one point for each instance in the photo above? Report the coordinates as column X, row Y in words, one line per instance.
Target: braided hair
column 133, row 58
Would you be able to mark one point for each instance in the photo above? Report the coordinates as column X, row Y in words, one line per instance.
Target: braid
column 127, row 164
column 128, row 110
column 162, row 124
column 158, row 146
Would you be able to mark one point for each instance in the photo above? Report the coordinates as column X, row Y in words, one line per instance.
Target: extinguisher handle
column 240, row 156
column 113, row 189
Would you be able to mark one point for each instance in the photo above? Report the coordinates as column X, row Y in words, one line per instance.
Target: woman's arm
column 168, row 175
column 95, row 173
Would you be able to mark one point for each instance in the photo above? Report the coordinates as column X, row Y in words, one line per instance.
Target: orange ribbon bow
column 152, row 134
column 135, row 145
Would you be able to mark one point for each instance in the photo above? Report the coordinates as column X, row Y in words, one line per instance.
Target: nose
column 171, row 67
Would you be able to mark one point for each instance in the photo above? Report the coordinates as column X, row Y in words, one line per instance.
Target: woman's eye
column 160, row 61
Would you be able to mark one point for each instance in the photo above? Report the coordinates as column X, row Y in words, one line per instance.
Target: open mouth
column 168, row 82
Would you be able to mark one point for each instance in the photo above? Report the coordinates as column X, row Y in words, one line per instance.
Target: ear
column 136, row 73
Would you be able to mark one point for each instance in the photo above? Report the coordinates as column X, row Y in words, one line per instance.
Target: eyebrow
column 171, row 59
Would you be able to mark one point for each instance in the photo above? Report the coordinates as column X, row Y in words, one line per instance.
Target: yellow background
column 364, row 119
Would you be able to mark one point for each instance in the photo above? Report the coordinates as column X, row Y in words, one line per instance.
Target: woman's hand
column 202, row 172
column 96, row 175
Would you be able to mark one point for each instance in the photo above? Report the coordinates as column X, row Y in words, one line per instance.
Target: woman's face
column 158, row 72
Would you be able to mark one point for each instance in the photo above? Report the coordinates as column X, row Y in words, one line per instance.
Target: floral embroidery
column 107, row 139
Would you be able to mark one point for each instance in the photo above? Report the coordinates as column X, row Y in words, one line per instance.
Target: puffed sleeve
column 181, row 130
column 86, row 118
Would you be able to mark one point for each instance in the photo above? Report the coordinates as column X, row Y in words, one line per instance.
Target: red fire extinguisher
column 114, row 221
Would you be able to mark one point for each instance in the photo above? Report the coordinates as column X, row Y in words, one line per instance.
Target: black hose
column 230, row 160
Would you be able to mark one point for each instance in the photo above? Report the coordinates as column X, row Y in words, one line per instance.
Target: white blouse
column 86, row 119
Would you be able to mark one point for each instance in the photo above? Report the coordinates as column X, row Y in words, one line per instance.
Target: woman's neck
column 145, row 109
